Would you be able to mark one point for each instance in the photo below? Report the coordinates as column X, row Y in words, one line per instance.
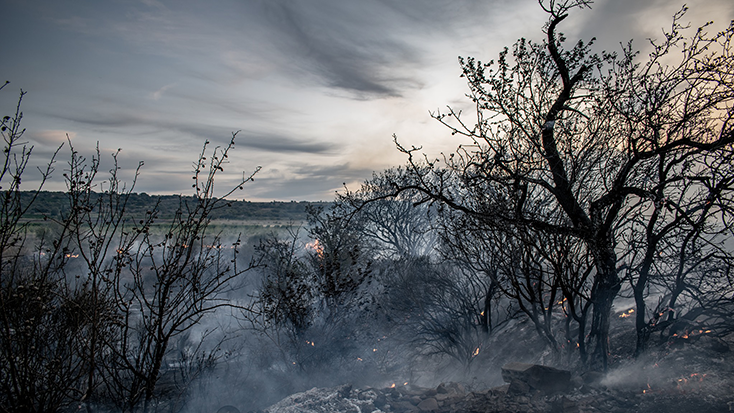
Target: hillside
column 54, row 205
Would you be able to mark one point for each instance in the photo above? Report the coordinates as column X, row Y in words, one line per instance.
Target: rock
column 565, row 405
column 543, row 378
column 451, row 388
column 332, row 400
column 345, row 391
column 518, row 387
column 380, row 401
column 500, row 389
column 403, row 406
column 428, row 405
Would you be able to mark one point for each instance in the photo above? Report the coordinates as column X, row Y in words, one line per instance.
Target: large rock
column 543, row 378
column 332, row 400
column 428, row 405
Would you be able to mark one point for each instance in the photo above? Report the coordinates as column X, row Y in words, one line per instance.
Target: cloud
column 317, row 88
column 282, row 144
column 187, row 132
column 347, row 47
column 305, row 182
column 617, row 21
column 53, row 138
column 158, row 93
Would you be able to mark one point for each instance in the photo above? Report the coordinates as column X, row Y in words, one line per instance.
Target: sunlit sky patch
column 315, row 87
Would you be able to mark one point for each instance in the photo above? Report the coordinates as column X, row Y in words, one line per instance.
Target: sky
column 314, row 88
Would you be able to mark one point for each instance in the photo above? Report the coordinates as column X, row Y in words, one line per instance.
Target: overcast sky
column 315, row 87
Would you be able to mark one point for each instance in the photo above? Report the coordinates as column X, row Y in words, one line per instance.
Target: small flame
column 392, row 386
column 405, row 384
column 627, row 313
column 476, row 352
column 316, row 246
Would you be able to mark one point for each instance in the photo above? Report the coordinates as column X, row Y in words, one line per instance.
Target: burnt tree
column 565, row 140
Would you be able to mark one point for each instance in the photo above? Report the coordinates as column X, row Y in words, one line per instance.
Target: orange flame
column 627, row 313
column 316, row 246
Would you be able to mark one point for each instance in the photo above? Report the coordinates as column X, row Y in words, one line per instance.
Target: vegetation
column 90, row 307
column 47, row 204
column 620, row 161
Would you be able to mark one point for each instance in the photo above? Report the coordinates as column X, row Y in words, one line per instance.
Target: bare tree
column 545, row 276
column 169, row 283
column 580, row 133
column 41, row 366
column 398, row 227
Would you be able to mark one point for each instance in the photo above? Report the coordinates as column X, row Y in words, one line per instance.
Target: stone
column 428, row 405
column 380, row 401
column 451, row 388
column 546, row 379
column 565, row 405
column 403, row 406
column 518, row 387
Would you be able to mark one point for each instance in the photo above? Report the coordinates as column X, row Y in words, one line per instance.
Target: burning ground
column 691, row 372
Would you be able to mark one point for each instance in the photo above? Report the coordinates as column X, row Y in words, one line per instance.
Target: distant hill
column 54, row 204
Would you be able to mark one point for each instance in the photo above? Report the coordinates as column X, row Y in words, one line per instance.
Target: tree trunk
column 606, row 287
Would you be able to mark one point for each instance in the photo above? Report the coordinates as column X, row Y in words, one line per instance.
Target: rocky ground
column 695, row 374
